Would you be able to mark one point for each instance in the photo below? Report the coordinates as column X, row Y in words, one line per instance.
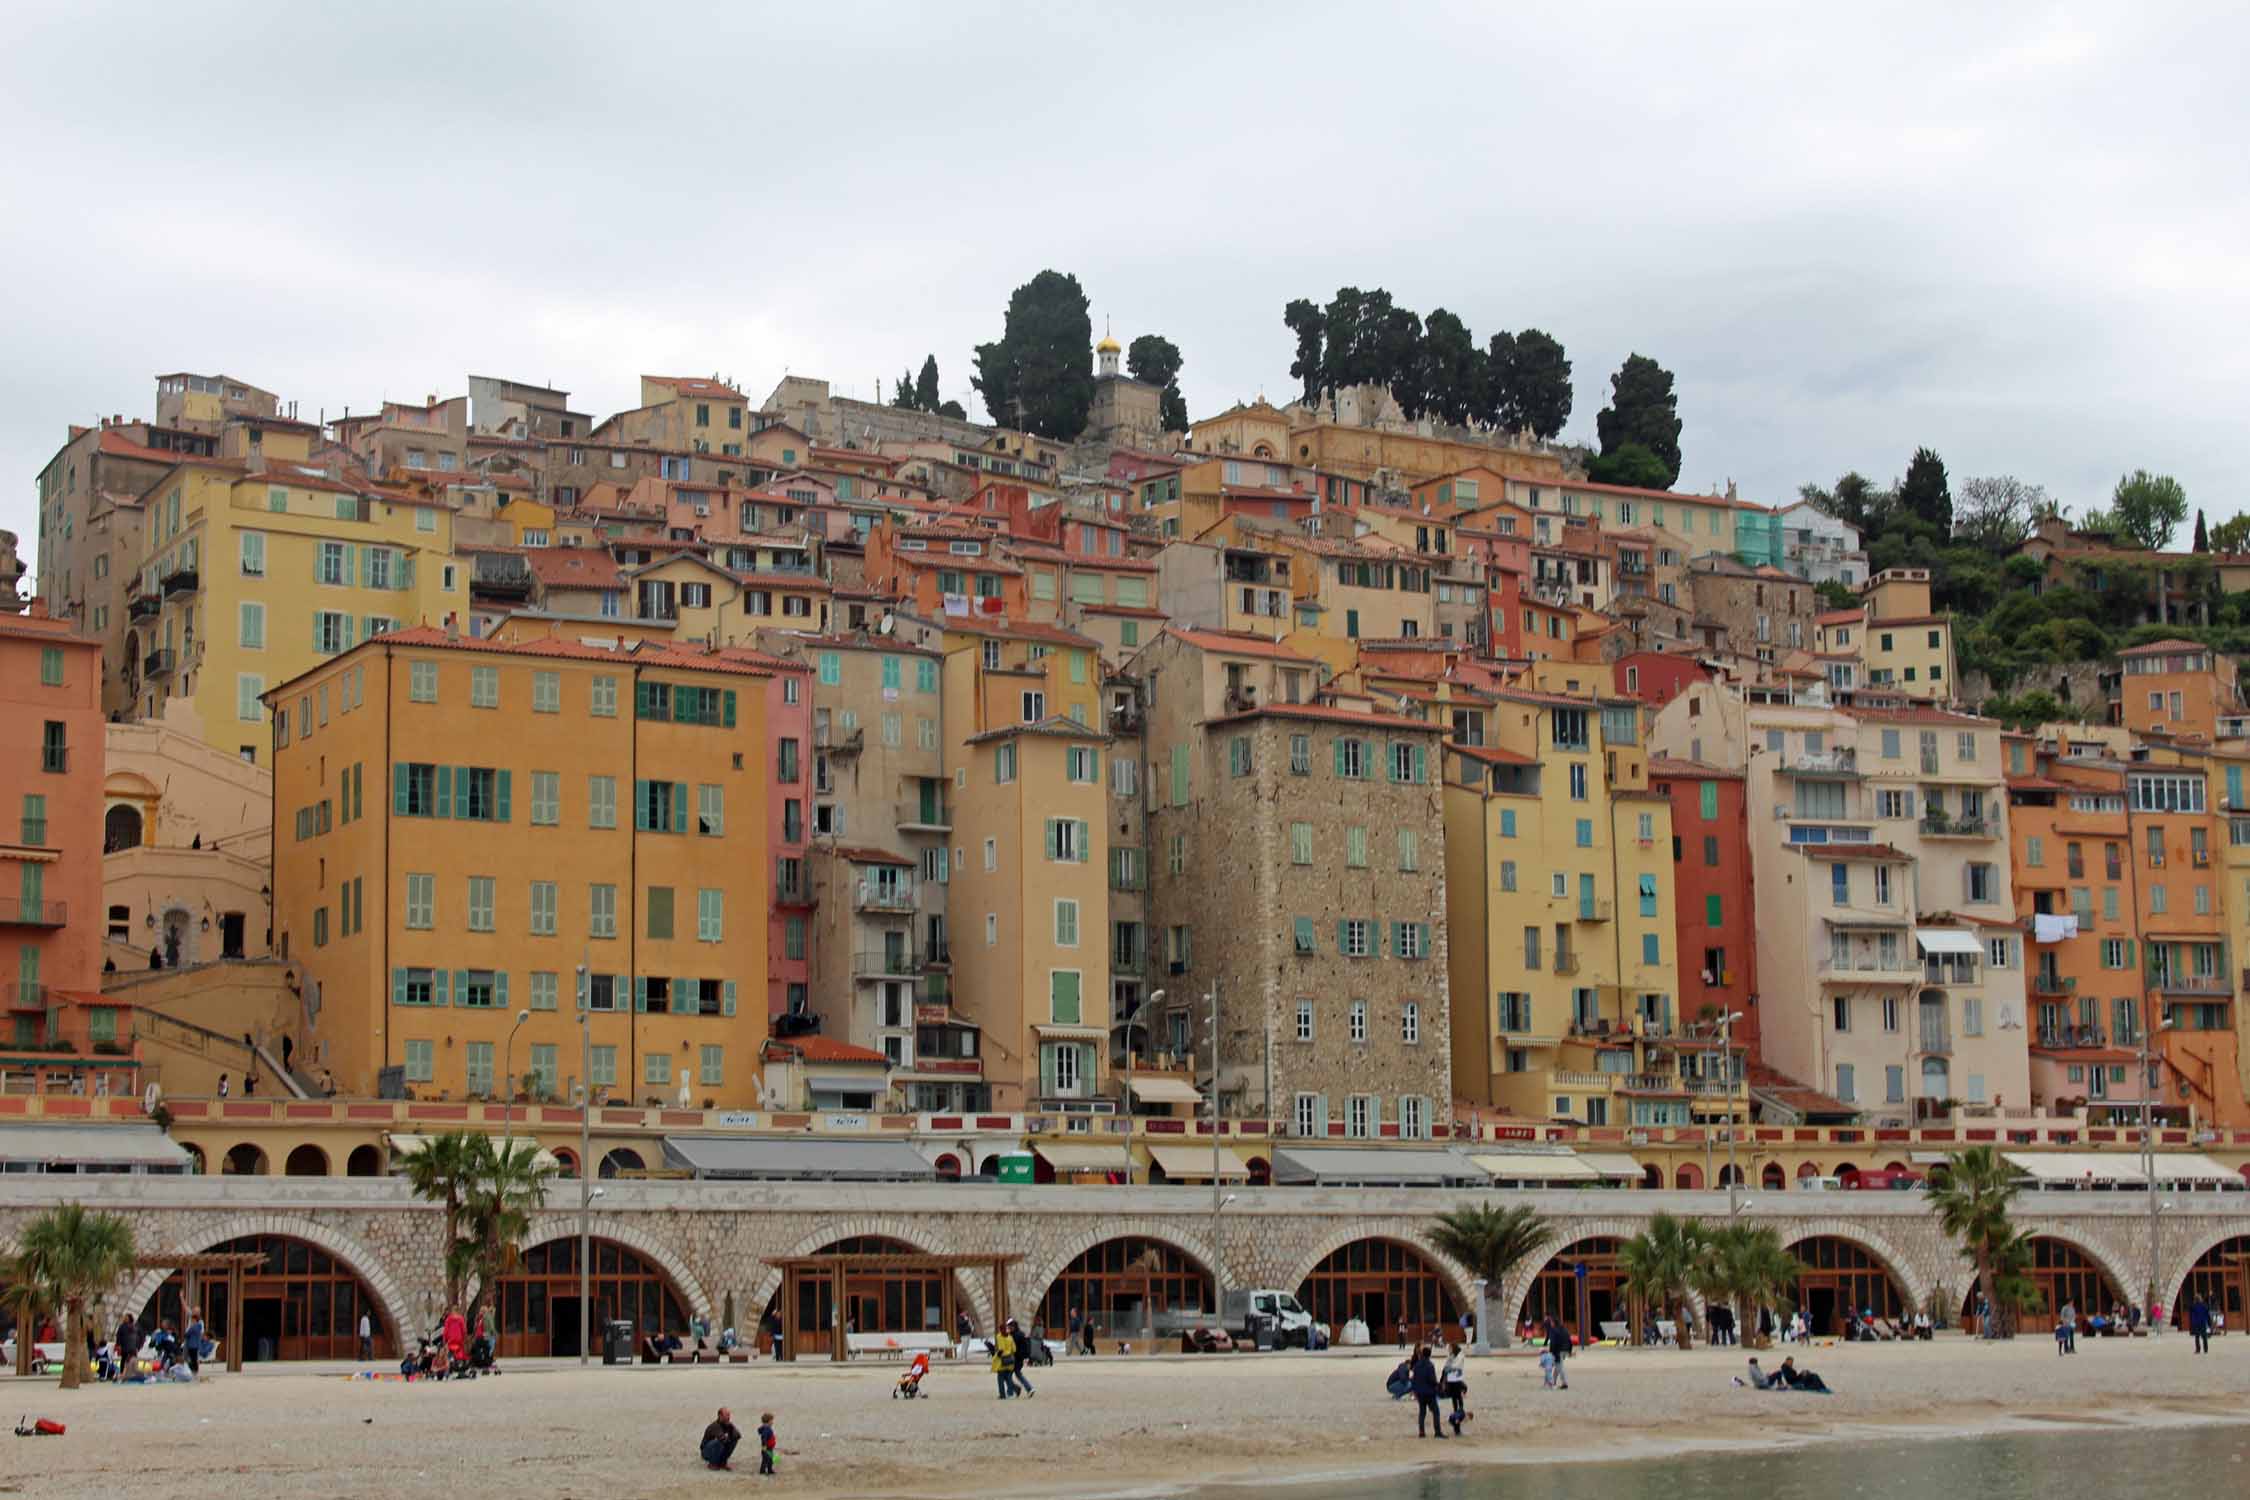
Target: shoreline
column 1145, row 1428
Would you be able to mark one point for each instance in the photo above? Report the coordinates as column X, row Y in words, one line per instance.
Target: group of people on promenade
column 160, row 1353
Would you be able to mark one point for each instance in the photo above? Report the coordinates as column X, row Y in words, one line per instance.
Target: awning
column 846, row 1083
column 1158, row 1090
column 1370, row 1166
column 2076, row 1168
column 1613, row 1164
column 1946, row 940
column 1070, row 1156
column 1929, row 1158
column 1072, row 1033
column 116, row 1147
column 2192, row 1166
column 738, row 1159
column 1193, row 1163
column 1534, row 1166
column 403, row 1145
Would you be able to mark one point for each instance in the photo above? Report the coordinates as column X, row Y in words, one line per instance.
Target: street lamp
column 2148, row 1161
column 1218, row 1298
column 507, row 1086
column 1151, row 998
column 1218, row 1291
column 1726, row 1060
column 585, row 1167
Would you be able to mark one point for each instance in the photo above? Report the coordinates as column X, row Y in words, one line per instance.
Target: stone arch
column 1508, row 1302
column 1027, row 1294
column 1911, row 1283
column 977, row 1290
column 564, row 1226
column 360, row 1259
column 2106, row 1260
column 121, row 827
column 1456, row 1276
column 2175, row 1281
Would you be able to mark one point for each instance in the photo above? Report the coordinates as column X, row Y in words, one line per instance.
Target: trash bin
column 617, row 1342
column 1261, row 1331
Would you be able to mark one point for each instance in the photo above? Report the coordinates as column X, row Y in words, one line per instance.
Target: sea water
column 2169, row 1463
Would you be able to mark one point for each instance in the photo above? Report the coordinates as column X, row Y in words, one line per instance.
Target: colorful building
column 1714, row 897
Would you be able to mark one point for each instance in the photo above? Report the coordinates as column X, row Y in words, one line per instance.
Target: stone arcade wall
column 711, row 1239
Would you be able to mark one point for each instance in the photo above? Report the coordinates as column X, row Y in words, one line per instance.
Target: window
column 332, row 632
column 710, row 810
column 657, row 905
column 421, row 901
column 1124, row 777
column 1840, row 884
column 710, row 915
column 1355, row 937
column 1408, row 763
column 1066, row 924
column 1300, row 843
column 656, row 1069
column 542, row 908
column 1359, row 1021
column 1304, row 1020
column 546, row 798
column 330, row 565
column 1351, row 759
column 249, row 693
column 1003, row 764
column 1983, row 883
column 1410, row 1023
column 1360, row 1116
column 421, row 682
column 420, row 1062
column 1082, row 764
column 1034, row 707
column 1310, row 1115
column 1303, row 936
column 1411, row 939
column 1842, row 1012
column 1409, row 849
column 1651, row 949
column 1844, row 1084
column 1507, row 875
column 1238, row 755
column 1577, row 781
column 1355, row 848
column 601, row 911
column 601, row 801
column 1585, row 833
column 480, row 903
column 1300, row 755
column 1647, row 884
column 1066, row 840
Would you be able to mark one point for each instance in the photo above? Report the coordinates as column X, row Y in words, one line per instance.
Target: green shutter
column 727, row 712
column 366, row 566
column 1046, row 1070
column 461, row 986
column 500, row 801
column 679, row 807
column 445, row 791
column 1341, row 925
column 640, row 699
column 1382, row 940
column 500, row 988
column 1421, row 764
column 1054, row 842
column 1085, row 844
column 640, row 806
column 640, row 992
column 726, row 998
column 399, row 779
column 1426, row 948
column 398, row 986
column 1338, row 749
column 437, row 986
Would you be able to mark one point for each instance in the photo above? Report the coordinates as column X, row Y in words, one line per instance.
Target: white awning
column 1071, row 1156
column 2192, row 1166
column 1536, row 1166
column 115, row 1148
column 1929, row 1158
column 2076, row 1168
column 404, row 1145
column 1072, row 1033
column 1947, row 940
column 1613, row 1164
column 1193, row 1163
column 1161, row 1090
column 796, row 1158
column 1375, row 1166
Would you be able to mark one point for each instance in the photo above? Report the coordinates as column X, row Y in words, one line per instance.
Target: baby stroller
column 910, row 1384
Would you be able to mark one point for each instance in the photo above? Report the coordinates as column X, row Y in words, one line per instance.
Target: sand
column 1099, row 1426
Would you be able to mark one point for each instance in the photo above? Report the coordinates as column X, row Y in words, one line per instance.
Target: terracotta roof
column 46, row 629
column 1235, row 642
column 646, row 654
column 1665, row 765
column 1493, row 757
column 861, row 854
column 1054, row 726
column 1128, row 610
column 1328, row 713
column 1921, row 715
column 691, row 385
column 575, row 567
column 117, row 445
column 2154, row 648
column 825, row 1049
column 1884, row 853
column 1839, row 617
column 1029, row 630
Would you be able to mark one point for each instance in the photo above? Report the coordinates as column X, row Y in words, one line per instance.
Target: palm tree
column 1491, row 1241
column 22, row 1299
column 1972, row 1209
column 2013, row 1290
column 444, row 1172
column 1660, row 1263
column 74, row 1255
column 1745, row 1266
column 506, row 1186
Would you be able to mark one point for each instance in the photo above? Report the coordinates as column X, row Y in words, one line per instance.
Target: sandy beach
column 1097, row 1426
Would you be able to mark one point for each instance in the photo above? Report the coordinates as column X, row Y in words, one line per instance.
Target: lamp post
column 1151, row 998
column 507, row 1087
column 2148, row 1160
column 1726, row 1060
column 1218, row 1294
column 585, row 1166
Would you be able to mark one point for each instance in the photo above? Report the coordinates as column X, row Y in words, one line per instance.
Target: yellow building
column 1559, row 900
column 1904, row 646
column 248, row 579
column 614, row 816
column 1028, row 903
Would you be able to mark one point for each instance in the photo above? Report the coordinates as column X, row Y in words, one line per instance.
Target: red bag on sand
column 47, row 1427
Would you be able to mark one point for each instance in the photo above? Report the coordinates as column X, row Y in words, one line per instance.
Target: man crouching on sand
column 719, row 1440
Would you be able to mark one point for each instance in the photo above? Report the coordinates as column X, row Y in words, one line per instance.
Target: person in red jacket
column 456, row 1335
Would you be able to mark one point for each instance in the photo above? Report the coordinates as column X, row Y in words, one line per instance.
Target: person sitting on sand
column 719, row 1441
column 1759, row 1380
column 1801, row 1380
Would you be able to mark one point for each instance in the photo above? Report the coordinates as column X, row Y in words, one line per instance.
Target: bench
column 1620, row 1333
column 1667, row 1332
column 895, row 1345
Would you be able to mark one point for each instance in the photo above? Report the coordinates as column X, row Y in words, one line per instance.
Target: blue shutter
column 679, row 807
column 640, row 806
column 445, row 791
column 1421, row 764
column 1053, row 844
column 398, row 986
column 501, row 799
column 399, row 777
column 726, row 998
column 460, row 986
column 437, row 986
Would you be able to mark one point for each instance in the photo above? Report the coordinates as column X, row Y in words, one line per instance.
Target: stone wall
column 712, row 1240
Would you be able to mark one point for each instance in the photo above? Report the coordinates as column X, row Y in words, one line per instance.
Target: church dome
column 1108, row 345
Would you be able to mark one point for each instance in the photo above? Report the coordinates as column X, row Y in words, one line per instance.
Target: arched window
column 121, row 828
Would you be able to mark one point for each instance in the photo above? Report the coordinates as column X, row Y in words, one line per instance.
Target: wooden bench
column 895, row 1345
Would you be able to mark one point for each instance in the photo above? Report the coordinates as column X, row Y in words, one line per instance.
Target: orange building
column 51, row 898
column 944, row 571
column 2176, row 688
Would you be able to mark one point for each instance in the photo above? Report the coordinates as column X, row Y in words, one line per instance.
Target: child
column 1548, row 1366
column 766, row 1442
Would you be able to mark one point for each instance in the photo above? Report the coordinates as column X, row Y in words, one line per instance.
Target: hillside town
column 831, row 756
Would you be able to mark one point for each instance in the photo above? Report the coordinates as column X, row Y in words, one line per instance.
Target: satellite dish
column 151, row 1097
column 885, row 625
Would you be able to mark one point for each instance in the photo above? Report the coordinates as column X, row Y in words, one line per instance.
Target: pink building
column 789, row 935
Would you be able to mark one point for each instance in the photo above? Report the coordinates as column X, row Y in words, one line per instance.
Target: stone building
column 1125, row 410
column 1299, row 878
column 1765, row 613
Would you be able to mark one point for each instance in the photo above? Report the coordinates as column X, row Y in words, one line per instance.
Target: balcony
column 18, row 996
column 1652, row 1083
column 1563, row 1078
column 182, row 581
column 919, row 817
column 2066, row 1038
column 890, row 961
column 1949, row 974
column 2190, row 984
column 1959, row 828
column 1869, row 966
column 795, row 893
column 2053, row 984
column 501, row 576
column 1934, row 1035
column 143, row 606
column 1826, row 763
column 871, row 896
column 17, row 912
column 1600, row 910
column 159, row 663
column 1566, row 963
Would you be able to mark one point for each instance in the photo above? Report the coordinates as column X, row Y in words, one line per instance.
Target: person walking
column 1004, row 1363
column 456, row 1335
column 1022, row 1357
column 2066, row 1329
column 1558, row 1345
column 366, row 1335
column 767, row 1442
column 720, row 1440
column 2199, row 1324
column 1077, row 1326
column 1423, row 1380
column 1453, row 1383
column 193, row 1343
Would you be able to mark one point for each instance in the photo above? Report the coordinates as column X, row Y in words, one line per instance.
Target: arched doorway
column 1846, row 1173
column 365, row 1161
column 1555, row 1291
column 177, row 937
column 1730, row 1176
column 245, row 1160
column 1130, row 1287
column 566, row 1162
column 2064, row 1274
column 1773, row 1179
column 307, row 1160
column 620, row 1160
column 1381, row 1282
column 1652, row 1177
column 2219, row 1277
column 1841, row 1275
column 303, row 1303
column 948, row 1166
column 876, row 1300
column 1807, row 1170
column 121, row 828
column 1688, row 1177
column 538, row 1303
column 1261, row 1171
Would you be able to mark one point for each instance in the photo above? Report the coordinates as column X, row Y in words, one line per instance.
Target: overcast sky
column 2013, row 234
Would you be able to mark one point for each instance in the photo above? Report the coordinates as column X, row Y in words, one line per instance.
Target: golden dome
column 1108, row 345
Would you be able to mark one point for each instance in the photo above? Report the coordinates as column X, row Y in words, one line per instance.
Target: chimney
column 452, row 626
